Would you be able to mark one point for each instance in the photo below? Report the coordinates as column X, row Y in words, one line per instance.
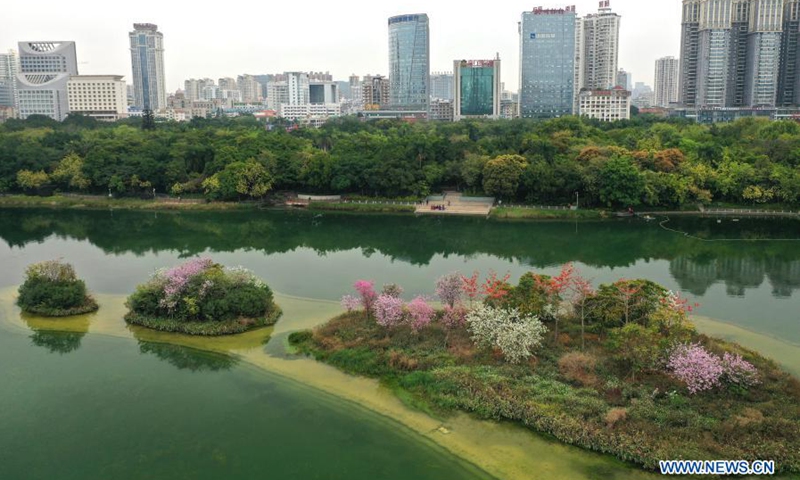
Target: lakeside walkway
column 726, row 212
column 454, row 204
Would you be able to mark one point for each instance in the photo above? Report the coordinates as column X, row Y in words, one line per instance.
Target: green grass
column 443, row 373
column 102, row 203
column 361, row 207
column 537, row 214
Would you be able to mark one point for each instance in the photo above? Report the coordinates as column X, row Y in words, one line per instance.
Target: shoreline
column 501, row 449
column 498, row 213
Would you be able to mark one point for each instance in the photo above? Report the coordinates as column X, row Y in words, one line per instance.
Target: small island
column 52, row 289
column 200, row 297
column 618, row 369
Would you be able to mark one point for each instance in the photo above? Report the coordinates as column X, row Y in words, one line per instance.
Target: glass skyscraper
column 477, row 88
column 409, row 61
column 547, row 62
column 147, row 59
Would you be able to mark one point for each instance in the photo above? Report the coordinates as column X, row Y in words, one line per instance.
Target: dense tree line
column 644, row 161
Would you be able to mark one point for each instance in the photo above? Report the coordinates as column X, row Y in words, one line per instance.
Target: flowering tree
column 555, row 288
column 366, row 289
column 393, row 290
column 389, row 311
column 695, row 366
column 351, row 303
column 454, row 317
column 516, row 335
column 175, row 279
column 582, row 290
column 470, row 286
column 420, row 313
column 738, row 371
column 449, row 288
column 495, row 288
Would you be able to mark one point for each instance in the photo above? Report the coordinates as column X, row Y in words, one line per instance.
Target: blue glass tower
column 547, row 63
column 409, row 61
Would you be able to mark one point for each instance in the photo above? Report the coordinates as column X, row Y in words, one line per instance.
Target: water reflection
column 696, row 265
column 57, row 335
column 57, row 342
column 185, row 358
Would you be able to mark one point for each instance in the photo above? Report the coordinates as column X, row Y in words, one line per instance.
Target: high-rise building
column 442, row 85
column 597, row 54
column 147, row 59
column 44, row 69
column 547, row 62
column 298, row 84
column 477, row 89
column 763, row 53
column 9, row 68
column 227, row 83
column 690, row 35
column 624, row 80
column 740, row 53
column 277, row 94
column 375, row 92
column 666, row 81
column 250, row 88
column 103, row 97
column 409, row 61
column 789, row 77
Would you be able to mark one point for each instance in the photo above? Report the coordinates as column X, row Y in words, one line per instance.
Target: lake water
column 105, row 401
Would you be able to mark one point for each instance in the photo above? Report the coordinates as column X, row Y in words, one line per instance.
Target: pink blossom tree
column 449, row 289
column 420, row 313
column 366, row 290
column 389, row 311
column 695, row 366
column 351, row 303
column 738, row 371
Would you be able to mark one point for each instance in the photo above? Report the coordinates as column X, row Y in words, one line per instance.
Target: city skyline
column 356, row 45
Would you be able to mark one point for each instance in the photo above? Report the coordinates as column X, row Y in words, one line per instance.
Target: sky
column 342, row 37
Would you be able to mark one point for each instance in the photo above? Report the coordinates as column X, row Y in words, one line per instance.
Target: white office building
column 606, row 105
column 9, row 68
column 103, row 97
column 44, row 70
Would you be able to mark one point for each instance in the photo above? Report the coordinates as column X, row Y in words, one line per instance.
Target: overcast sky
column 346, row 36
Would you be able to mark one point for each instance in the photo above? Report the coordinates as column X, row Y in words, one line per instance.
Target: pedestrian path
column 452, row 203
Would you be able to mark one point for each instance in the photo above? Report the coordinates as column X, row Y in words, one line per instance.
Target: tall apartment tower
column 690, row 35
column 147, row 60
column 763, row 52
column 298, row 85
column 9, row 68
column 409, row 61
column 740, row 26
column 666, row 81
column 442, row 85
column 44, row 70
column 597, row 41
column 714, row 53
column 789, row 77
column 547, row 62
column 375, row 92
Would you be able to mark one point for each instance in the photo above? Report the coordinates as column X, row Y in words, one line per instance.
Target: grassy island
column 52, row 289
column 618, row 370
column 201, row 297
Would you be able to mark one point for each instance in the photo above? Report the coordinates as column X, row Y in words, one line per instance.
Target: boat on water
column 624, row 214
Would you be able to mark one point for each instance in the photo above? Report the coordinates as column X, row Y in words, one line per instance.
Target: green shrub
column 52, row 289
column 200, row 297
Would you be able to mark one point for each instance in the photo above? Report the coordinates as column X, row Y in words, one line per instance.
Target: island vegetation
column 618, row 369
column 52, row 289
column 644, row 161
column 200, row 297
